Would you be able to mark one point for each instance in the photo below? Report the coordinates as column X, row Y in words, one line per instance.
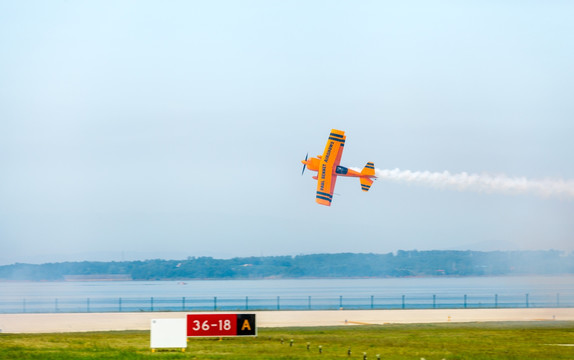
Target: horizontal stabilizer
column 366, row 184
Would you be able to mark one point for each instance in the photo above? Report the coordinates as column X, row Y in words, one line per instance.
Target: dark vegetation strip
column 401, row 264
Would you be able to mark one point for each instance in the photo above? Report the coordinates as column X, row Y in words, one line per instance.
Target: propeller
column 304, row 165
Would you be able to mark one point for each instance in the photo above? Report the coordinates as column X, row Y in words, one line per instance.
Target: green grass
column 430, row 341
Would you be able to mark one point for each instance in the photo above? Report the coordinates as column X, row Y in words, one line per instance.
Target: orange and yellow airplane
column 328, row 168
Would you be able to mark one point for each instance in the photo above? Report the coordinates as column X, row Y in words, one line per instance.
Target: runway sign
column 168, row 333
column 220, row 325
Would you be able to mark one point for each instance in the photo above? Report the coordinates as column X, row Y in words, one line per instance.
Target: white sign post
column 168, row 333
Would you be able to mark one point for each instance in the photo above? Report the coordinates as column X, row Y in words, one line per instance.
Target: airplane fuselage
column 314, row 164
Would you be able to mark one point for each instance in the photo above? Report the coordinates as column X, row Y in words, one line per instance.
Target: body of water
column 283, row 294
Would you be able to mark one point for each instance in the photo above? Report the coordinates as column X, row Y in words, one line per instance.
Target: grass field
column 539, row 340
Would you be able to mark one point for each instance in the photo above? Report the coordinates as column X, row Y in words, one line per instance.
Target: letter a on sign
column 246, row 324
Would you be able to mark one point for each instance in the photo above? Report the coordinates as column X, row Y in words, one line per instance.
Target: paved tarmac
column 81, row 322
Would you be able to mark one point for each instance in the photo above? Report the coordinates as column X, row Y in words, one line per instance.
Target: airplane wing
column 331, row 158
column 340, row 152
column 334, row 148
column 325, row 185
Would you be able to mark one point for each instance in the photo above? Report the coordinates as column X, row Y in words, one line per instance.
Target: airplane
column 328, row 168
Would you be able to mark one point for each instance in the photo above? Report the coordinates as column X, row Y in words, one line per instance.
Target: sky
column 153, row 129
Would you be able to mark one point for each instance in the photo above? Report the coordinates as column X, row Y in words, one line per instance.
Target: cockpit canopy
column 341, row 170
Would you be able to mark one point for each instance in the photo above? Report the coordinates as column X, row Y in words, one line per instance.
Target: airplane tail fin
column 366, row 184
column 369, row 169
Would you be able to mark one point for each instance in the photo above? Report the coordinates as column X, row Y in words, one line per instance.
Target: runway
column 82, row 322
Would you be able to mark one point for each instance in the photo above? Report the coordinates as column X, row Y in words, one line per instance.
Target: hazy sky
column 142, row 129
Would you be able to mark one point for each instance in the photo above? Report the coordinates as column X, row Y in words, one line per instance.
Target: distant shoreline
column 402, row 264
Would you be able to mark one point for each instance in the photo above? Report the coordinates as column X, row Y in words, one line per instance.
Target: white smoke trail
column 482, row 182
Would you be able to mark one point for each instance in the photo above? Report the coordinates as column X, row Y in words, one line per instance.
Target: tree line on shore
column 399, row 264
